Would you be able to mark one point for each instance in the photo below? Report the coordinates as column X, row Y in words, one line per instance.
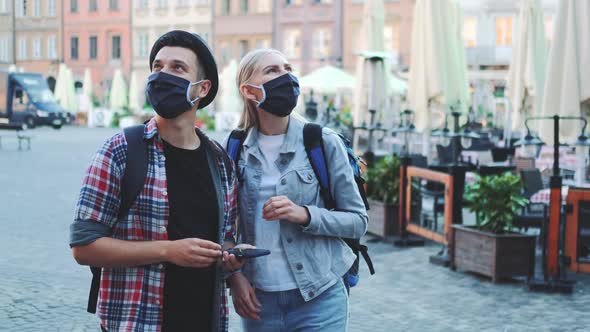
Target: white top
column 273, row 273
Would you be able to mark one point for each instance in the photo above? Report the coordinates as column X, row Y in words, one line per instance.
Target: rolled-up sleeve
column 99, row 199
column 349, row 219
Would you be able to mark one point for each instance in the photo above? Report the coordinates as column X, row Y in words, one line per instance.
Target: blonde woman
column 299, row 286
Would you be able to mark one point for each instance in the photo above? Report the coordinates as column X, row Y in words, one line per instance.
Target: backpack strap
column 234, row 144
column 314, row 147
column 131, row 185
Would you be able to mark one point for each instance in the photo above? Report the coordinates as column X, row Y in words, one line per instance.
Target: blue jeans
column 287, row 311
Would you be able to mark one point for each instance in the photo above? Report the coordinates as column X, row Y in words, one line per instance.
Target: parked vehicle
column 26, row 101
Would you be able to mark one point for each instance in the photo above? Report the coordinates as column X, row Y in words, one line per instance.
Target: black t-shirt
column 188, row 292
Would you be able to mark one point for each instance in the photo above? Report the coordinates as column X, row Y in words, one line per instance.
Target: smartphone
column 248, row 253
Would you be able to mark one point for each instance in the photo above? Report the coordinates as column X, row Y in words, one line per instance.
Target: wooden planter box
column 492, row 255
column 383, row 219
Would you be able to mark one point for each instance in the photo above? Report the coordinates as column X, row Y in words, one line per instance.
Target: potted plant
column 382, row 192
column 491, row 247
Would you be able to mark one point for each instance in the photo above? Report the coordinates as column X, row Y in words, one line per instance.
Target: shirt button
column 165, row 193
column 311, row 294
column 157, row 302
column 284, row 181
column 299, row 266
column 160, row 266
column 289, row 240
column 163, row 229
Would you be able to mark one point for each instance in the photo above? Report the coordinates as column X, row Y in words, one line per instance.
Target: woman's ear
column 247, row 92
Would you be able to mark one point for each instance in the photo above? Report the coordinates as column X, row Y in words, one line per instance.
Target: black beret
column 195, row 43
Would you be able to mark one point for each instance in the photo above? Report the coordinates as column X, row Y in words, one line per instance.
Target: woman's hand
column 281, row 207
column 231, row 262
column 244, row 297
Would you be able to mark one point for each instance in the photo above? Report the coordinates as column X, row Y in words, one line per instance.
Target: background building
column 397, row 32
column 310, row 32
column 239, row 26
column 38, row 36
column 152, row 18
column 97, row 36
column 6, row 33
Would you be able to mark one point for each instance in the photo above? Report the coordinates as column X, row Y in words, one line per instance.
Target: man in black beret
column 157, row 254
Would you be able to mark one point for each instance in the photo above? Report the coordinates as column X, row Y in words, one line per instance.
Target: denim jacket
column 317, row 255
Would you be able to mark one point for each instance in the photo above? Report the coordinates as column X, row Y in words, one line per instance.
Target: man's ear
column 204, row 88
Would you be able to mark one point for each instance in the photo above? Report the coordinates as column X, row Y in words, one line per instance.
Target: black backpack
column 314, row 147
column 131, row 185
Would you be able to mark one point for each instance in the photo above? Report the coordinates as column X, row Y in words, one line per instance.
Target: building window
column 93, row 6
column 93, row 43
column 294, row 2
column 225, row 7
column 22, row 48
column 36, row 8
column 182, row 3
column 322, row 39
column 243, row 6
column 263, row 43
column 470, row 32
column 50, row 7
column 161, row 4
column 74, row 48
column 142, row 44
column 113, row 5
column 292, row 43
column 21, row 8
column 4, row 51
column 37, row 48
column 3, row 9
column 548, row 30
column 263, row 6
column 504, row 31
column 243, row 47
column 116, row 47
column 51, row 48
column 73, row 6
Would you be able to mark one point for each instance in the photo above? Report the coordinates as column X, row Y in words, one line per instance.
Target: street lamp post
column 554, row 277
column 369, row 155
column 457, row 140
column 407, row 130
column 457, row 170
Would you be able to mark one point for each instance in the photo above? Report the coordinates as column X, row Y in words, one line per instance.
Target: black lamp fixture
column 373, row 126
column 407, row 130
column 456, row 137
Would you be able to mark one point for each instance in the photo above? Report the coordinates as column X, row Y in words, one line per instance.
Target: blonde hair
column 248, row 65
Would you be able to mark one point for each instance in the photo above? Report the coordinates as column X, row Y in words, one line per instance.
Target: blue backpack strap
column 314, row 147
column 131, row 185
column 234, row 144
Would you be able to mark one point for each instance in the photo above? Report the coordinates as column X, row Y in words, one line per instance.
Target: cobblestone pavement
column 43, row 289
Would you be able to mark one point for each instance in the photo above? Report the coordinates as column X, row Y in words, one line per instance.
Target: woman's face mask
column 279, row 95
column 169, row 95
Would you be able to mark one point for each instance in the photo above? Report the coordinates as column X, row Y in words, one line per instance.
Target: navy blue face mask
column 169, row 95
column 279, row 96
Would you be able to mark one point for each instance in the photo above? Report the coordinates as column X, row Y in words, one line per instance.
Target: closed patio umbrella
column 526, row 77
column 567, row 85
column 118, row 92
column 438, row 73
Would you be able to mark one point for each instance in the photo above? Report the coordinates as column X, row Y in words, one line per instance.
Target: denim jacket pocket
column 308, row 186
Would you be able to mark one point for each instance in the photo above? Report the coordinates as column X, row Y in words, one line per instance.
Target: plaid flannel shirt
column 131, row 298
